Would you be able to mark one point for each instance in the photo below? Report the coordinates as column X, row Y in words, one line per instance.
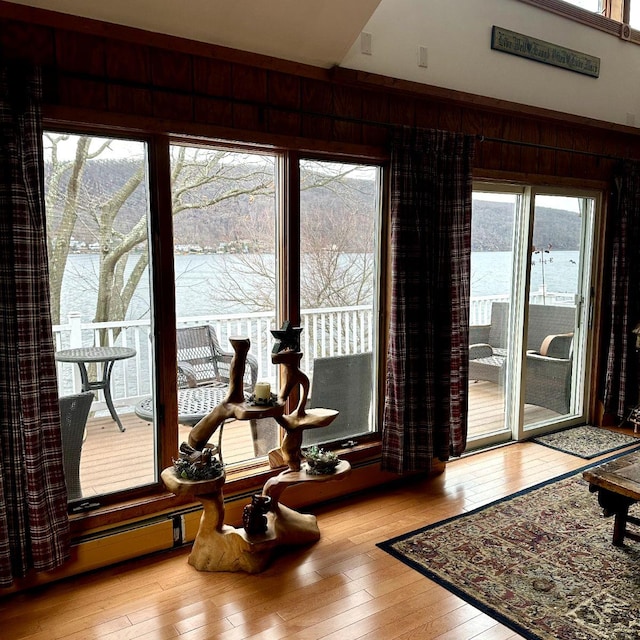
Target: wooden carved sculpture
column 267, row 523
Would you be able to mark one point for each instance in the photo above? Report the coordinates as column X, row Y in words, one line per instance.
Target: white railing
column 326, row 332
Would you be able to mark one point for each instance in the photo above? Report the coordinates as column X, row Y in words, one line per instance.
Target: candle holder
column 271, row 401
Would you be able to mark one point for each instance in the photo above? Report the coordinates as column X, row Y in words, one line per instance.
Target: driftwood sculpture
column 268, row 524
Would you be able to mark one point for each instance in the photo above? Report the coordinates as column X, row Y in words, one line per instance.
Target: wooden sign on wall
column 518, row 44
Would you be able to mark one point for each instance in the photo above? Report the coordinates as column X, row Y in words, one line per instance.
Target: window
column 531, row 278
column 232, row 235
column 338, row 220
column 605, row 15
column 97, row 206
column 225, row 262
column 590, row 5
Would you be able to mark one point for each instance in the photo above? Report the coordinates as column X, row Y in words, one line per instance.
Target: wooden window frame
column 614, row 18
column 148, row 500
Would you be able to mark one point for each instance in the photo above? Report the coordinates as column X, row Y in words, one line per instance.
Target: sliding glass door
column 532, row 251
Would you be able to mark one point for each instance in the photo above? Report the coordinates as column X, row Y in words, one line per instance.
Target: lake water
column 198, row 276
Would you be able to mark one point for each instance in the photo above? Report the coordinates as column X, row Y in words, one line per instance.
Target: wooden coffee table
column 618, row 486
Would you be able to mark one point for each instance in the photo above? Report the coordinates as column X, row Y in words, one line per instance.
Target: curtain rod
column 481, row 138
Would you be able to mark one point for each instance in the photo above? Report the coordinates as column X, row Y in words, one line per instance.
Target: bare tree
column 336, row 236
column 105, row 201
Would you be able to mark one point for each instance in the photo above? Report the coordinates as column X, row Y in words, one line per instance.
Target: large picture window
column 97, row 207
column 232, row 233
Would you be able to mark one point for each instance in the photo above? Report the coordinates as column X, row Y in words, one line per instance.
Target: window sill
column 244, row 481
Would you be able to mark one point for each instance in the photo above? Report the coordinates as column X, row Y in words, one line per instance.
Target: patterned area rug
column 586, row 441
column 541, row 562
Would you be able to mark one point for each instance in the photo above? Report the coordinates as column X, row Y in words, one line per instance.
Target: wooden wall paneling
column 402, row 110
column 283, row 90
column 249, row 83
column 564, row 160
column 171, row 69
column 529, row 155
column 375, row 135
column 547, row 137
column 317, row 97
column 249, row 117
column 375, row 107
column 347, row 107
column 583, row 166
column 20, row 41
column 128, row 62
column 284, row 122
column 450, row 118
column 471, row 124
column 375, row 114
column 172, row 106
column 317, row 104
column 127, row 99
column 317, row 127
column 427, row 114
column 491, row 152
column 211, row 77
column 80, row 53
column 621, row 145
column 213, row 111
column 75, row 92
column 511, row 153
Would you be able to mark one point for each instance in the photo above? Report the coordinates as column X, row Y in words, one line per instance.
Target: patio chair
column 343, row 383
column 201, row 360
column 74, row 411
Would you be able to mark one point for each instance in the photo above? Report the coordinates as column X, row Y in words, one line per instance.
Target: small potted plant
column 319, row 461
column 197, row 465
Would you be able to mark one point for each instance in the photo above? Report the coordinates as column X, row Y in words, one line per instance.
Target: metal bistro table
column 106, row 355
column 194, row 403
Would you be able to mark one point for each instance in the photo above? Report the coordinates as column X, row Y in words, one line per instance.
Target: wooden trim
column 60, row 117
column 164, row 322
column 537, row 180
column 470, row 100
column 240, row 481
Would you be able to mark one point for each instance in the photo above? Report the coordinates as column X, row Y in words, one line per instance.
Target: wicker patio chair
column 74, row 411
column 342, row 383
column 201, row 360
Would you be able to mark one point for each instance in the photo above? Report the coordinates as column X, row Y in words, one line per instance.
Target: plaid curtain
column 34, row 527
column 621, row 390
column 425, row 413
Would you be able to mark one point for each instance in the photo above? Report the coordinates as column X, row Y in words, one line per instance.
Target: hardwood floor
column 341, row 588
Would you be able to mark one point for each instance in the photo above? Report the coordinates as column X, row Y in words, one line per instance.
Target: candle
column 262, row 392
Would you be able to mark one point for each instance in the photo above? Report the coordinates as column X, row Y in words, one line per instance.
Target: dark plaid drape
column 425, row 413
column 620, row 381
column 34, row 527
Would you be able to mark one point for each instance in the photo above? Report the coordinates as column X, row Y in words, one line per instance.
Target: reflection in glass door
column 530, row 269
column 556, row 315
column 495, row 216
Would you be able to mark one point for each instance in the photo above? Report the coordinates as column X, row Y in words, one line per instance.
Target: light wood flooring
column 341, row 588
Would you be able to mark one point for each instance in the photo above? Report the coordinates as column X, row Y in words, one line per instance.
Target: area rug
column 540, row 562
column 586, row 442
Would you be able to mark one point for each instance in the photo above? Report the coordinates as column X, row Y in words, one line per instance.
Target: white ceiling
column 316, row 32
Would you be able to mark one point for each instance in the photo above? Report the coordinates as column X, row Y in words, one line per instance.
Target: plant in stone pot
column 319, row 461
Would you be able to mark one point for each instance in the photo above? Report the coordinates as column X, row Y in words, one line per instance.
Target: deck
column 113, row 460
